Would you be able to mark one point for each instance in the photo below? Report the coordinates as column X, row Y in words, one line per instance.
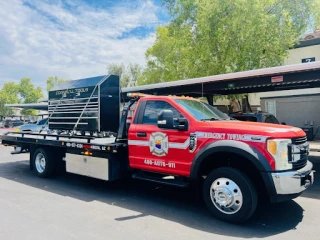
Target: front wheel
column 230, row 195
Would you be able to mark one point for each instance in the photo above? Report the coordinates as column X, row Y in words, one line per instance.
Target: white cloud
column 44, row 38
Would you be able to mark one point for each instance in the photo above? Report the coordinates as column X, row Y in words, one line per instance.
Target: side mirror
column 182, row 124
column 283, row 123
column 165, row 119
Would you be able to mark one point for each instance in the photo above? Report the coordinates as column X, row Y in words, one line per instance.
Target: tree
column 8, row 95
column 53, row 81
column 209, row 37
column 29, row 94
column 22, row 92
column 134, row 71
column 129, row 74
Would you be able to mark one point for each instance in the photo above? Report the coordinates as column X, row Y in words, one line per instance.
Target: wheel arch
column 55, row 153
column 229, row 146
column 235, row 154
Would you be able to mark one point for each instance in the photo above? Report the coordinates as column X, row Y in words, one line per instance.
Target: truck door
column 155, row 149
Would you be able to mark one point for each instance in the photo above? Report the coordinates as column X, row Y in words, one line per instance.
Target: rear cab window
column 153, row 109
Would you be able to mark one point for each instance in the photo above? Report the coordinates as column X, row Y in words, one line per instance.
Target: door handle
column 141, row 134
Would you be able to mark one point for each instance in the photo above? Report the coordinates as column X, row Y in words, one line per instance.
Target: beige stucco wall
column 254, row 99
column 295, row 55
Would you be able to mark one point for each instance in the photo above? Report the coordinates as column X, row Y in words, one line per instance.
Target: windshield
column 43, row 121
column 218, row 112
column 201, row 111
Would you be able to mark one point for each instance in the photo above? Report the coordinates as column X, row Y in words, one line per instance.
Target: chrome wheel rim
column 226, row 195
column 40, row 163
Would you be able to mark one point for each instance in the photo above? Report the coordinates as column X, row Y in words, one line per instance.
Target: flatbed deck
column 78, row 142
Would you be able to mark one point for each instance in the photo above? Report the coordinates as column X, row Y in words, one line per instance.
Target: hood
column 29, row 127
column 255, row 128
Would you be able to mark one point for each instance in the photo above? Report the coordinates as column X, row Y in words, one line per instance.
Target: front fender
column 236, row 147
column 252, row 154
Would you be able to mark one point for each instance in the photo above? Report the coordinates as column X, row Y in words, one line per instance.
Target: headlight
column 278, row 148
column 17, row 130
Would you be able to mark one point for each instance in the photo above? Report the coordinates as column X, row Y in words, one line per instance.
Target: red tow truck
column 182, row 141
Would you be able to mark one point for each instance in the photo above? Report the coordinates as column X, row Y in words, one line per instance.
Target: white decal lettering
column 159, row 163
column 211, row 135
column 231, row 136
column 95, row 147
column 238, row 137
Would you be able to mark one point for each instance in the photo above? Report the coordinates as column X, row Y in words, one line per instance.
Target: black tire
column 245, row 207
column 48, row 167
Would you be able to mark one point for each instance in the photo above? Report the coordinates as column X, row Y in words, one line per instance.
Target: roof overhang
column 308, row 43
column 289, row 77
column 298, row 76
column 35, row 106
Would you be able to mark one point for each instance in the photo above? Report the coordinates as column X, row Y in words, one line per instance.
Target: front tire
column 43, row 163
column 230, row 195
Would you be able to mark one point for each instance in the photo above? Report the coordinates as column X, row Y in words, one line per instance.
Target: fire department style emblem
column 159, row 144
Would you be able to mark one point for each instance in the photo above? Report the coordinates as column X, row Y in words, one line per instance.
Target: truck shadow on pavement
column 172, row 204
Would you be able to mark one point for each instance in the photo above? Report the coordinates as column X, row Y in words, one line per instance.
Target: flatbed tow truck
column 172, row 140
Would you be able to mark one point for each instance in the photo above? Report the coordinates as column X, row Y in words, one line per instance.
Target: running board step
column 17, row 150
column 177, row 182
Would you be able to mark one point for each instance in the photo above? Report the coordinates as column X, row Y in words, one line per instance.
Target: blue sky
column 74, row 38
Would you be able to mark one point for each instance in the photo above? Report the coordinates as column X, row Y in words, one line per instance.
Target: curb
column 314, row 150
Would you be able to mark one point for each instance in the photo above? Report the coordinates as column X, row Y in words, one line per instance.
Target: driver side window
column 42, row 122
column 153, row 108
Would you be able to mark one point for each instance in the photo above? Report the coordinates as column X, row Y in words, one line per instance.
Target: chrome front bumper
column 293, row 182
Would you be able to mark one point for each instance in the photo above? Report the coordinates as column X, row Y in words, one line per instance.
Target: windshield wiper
column 209, row 119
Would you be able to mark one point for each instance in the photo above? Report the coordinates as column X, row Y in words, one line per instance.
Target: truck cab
column 234, row 162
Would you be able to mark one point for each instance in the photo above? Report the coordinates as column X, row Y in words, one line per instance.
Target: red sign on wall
column 277, row 79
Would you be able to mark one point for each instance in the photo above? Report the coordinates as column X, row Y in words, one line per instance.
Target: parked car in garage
column 10, row 123
column 260, row 116
column 36, row 127
column 28, row 121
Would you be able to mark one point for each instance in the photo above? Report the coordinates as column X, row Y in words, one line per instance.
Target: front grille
column 302, row 162
column 299, row 140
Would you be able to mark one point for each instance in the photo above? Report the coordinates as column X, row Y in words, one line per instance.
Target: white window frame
column 275, row 107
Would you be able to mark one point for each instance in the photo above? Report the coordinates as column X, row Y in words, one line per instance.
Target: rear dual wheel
column 230, row 195
column 43, row 162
